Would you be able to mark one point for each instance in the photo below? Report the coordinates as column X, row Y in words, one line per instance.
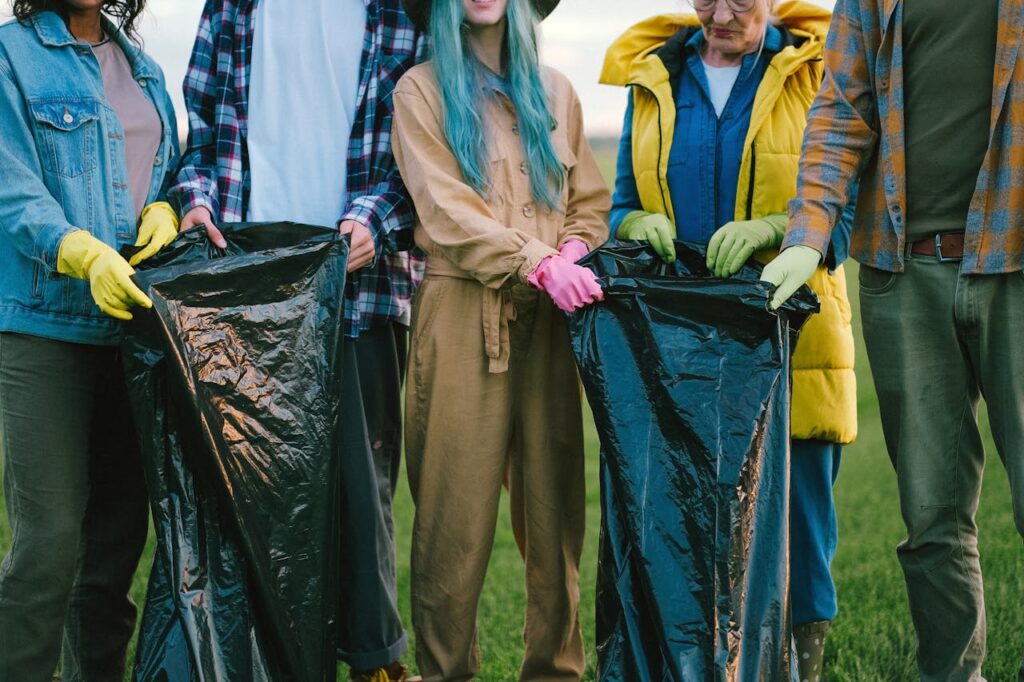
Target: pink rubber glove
column 573, row 250
column 569, row 285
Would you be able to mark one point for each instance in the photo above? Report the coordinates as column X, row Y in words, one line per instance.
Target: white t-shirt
column 302, row 101
column 721, row 80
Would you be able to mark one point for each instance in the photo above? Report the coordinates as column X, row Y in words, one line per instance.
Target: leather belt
column 947, row 247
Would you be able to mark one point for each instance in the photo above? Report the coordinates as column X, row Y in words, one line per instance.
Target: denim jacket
column 63, row 168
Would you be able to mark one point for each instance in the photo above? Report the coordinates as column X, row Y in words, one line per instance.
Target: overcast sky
column 575, row 38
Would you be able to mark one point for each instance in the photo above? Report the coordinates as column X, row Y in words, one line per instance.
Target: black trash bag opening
column 687, row 376
column 235, row 377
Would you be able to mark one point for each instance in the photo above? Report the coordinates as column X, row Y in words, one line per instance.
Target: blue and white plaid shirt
column 214, row 171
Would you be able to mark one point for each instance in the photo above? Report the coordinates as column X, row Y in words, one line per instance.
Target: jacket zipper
column 750, row 183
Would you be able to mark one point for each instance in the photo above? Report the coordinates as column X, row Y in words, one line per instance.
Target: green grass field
column 872, row 638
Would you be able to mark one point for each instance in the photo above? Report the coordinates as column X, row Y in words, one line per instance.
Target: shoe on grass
column 395, row 672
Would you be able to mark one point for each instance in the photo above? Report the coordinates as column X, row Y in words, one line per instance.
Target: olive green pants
column 938, row 340
column 465, row 428
column 76, row 500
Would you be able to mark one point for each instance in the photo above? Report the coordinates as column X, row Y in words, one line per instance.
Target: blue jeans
column 813, row 534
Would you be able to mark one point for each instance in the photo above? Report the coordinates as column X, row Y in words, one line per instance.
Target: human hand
column 654, row 228
column 573, row 250
column 734, row 243
column 570, row 286
column 789, row 271
column 82, row 256
column 361, row 250
column 158, row 227
column 200, row 215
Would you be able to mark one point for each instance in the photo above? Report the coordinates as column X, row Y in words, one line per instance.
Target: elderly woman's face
column 733, row 32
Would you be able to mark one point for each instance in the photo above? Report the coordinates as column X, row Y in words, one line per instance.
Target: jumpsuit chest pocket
column 568, row 159
column 563, row 150
column 67, row 131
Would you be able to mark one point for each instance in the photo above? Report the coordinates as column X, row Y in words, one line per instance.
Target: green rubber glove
column 789, row 271
column 82, row 256
column 734, row 243
column 158, row 227
column 654, row 228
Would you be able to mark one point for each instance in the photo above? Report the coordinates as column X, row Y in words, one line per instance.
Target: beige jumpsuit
column 492, row 385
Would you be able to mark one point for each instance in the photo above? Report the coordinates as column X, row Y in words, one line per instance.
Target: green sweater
column 949, row 49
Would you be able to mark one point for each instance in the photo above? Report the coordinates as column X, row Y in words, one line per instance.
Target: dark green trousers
column 938, row 340
column 76, row 501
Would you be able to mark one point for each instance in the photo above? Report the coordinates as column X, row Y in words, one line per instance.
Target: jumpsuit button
column 528, row 211
column 522, row 168
column 515, row 129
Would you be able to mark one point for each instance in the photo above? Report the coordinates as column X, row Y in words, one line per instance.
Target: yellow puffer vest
column 824, row 384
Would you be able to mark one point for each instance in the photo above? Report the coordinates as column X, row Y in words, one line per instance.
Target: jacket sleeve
column 627, row 196
column 175, row 150
column 456, row 218
column 586, row 214
column 387, row 211
column 196, row 182
column 841, row 133
column 29, row 215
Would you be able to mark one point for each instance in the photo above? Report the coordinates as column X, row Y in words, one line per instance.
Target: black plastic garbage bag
column 688, row 379
column 235, row 380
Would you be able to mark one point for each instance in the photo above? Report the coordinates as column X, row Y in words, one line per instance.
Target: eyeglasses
column 738, row 6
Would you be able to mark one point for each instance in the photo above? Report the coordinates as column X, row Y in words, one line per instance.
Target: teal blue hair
column 458, row 74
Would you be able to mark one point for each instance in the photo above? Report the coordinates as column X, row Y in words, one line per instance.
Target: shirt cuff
column 190, row 199
column 365, row 218
column 802, row 235
column 532, row 253
column 49, row 245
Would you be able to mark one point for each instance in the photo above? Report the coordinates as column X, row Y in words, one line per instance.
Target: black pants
column 370, row 629
column 76, row 498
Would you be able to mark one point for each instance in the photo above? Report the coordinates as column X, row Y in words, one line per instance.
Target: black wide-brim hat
column 419, row 10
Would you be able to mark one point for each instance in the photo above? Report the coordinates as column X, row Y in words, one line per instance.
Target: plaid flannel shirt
column 214, row 170
column 856, row 131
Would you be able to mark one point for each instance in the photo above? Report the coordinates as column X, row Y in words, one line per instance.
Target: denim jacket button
column 68, row 118
column 157, row 161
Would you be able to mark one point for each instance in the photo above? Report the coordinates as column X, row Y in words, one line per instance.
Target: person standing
column 290, row 120
column 89, row 138
column 708, row 154
column 939, row 233
column 509, row 196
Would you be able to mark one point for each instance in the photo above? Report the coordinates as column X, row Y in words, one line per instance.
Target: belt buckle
column 938, row 252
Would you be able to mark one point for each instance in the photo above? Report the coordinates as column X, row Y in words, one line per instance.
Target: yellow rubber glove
column 158, row 227
column 789, row 271
column 653, row 228
column 734, row 243
column 82, row 256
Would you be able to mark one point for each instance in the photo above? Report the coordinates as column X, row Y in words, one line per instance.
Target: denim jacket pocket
column 67, row 133
column 38, row 280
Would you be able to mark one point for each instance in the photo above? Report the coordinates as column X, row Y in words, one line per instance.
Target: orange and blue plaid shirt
column 214, row 169
column 856, row 132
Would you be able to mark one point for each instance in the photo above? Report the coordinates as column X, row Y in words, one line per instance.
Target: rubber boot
column 810, row 649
